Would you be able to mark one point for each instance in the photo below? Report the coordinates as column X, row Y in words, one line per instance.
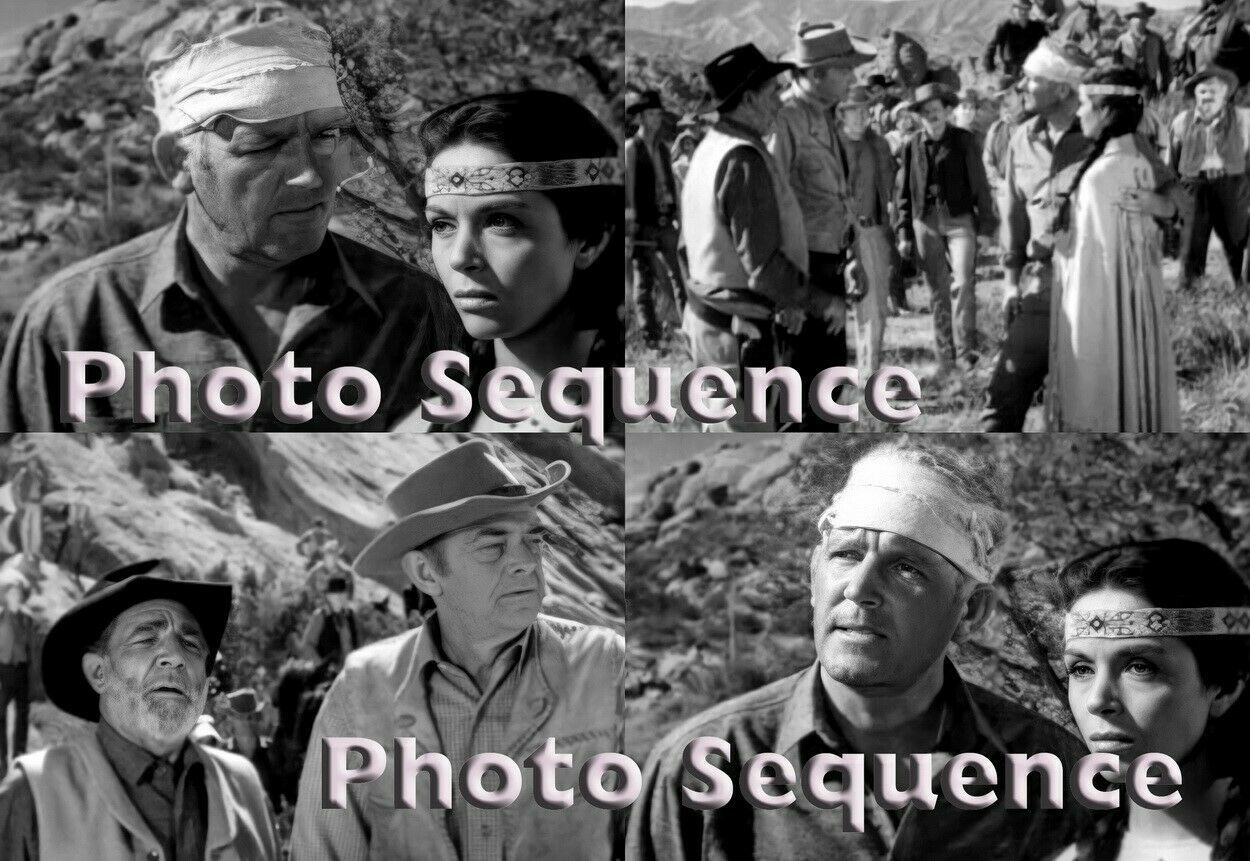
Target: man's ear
column 170, row 153
column 93, row 669
column 420, row 570
column 588, row 252
column 977, row 612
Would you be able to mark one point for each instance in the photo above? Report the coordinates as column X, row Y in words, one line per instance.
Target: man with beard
column 133, row 657
column 906, row 553
column 485, row 672
column 255, row 137
column 1042, row 158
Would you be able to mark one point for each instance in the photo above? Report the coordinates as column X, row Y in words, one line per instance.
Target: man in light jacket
column 484, row 673
column 133, row 657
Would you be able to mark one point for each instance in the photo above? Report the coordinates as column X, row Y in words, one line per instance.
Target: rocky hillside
column 238, row 502
column 734, row 525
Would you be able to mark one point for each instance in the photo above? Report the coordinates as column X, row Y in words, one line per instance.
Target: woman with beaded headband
column 1157, row 651
column 1111, row 366
column 525, row 206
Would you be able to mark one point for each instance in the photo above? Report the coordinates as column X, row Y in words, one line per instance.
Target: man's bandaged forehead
column 254, row 72
column 890, row 494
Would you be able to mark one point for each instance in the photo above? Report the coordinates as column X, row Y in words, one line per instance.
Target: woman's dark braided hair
column 1151, row 569
column 1125, row 116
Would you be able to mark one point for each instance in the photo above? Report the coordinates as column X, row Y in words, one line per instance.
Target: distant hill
column 702, row 29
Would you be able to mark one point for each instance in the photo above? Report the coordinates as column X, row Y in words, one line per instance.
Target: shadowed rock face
column 243, row 499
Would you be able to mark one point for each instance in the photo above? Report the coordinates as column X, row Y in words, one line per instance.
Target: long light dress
column 1111, row 364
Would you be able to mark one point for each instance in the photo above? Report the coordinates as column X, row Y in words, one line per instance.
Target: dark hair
column 732, row 103
column 538, row 125
column 1175, row 572
column 1125, row 116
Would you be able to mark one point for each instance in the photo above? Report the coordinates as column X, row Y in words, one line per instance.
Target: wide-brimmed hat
column 876, row 80
column 79, row 628
column 856, row 97
column 1021, row 4
column 636, row 102
column 458, row 488
column 929, row 92
column 244, row 702
column 738, row 70
column 1227, row 76
column 829, row 44
column 1140, row 10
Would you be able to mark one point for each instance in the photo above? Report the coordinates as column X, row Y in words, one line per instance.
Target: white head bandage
column 254, row 72
column 1046, row 61
column 890, row 494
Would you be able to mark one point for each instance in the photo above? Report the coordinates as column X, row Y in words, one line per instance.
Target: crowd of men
column 818, row 182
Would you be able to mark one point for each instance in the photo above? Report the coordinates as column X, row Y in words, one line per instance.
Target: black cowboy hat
column 113, row 594
column 929, row 92
column 638, row 102
column 1140, row 10
column 1212, row 71
column 739, row 69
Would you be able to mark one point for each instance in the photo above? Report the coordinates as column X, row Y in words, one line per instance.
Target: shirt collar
column 172, row 265
column 430, row 648
column 1039, row 129
column 134, row 764
column 964, row 725
column 738, row 129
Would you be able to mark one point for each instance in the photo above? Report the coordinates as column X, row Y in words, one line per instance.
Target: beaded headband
column 523, row 176
column 1158, row 622
column 1109, row 90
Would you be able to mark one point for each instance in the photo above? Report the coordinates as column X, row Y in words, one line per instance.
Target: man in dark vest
column 651, row 218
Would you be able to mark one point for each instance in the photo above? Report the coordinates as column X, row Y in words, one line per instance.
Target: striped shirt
column 472, row 720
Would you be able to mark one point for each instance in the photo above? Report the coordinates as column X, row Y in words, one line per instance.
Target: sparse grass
column 1210, row 335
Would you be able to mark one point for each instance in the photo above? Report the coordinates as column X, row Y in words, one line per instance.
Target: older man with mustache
column 906, row 553
column 133, row 658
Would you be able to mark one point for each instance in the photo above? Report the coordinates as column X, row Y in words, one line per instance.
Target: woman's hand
column 1148, row 202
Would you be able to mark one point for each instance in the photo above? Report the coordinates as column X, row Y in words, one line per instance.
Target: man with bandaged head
column 903, row 565
column 253, row 133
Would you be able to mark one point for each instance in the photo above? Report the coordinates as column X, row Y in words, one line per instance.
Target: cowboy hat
column 245, row 702
column 856, row 97
column 738, row 70
column 114, row 593
column 1140, row 10
column 458, row 488
column 829, row 44
column 1207, row 72
column 638, row 102
column 929, row 92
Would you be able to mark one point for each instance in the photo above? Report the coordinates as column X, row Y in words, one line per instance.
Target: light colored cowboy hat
column 856, row 97
column 1227, row 76
column 458, row 488
column 829, row 44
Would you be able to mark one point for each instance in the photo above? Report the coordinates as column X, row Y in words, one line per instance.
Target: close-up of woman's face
column 504, row 259
column 1135, row 695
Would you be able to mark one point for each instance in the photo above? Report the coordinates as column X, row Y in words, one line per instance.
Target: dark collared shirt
column 359, row 308
column 171, row 796
column 791, row 717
